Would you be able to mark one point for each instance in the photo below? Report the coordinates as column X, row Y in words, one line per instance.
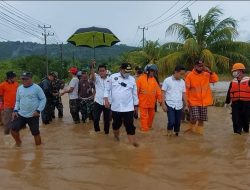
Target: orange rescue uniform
column 8, row 91
column 198, row 89
column 240, row 90
column 148, row 92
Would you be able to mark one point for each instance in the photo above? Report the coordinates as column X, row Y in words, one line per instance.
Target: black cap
column 10, row 75
column 26, row 75
column 127, row 67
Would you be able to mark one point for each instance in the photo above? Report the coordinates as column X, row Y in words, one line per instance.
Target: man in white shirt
column 174, row 92
column 122, row 90
column 100, row 79
column 73, row 95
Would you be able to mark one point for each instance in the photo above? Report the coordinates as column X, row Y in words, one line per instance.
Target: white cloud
column 123, row 17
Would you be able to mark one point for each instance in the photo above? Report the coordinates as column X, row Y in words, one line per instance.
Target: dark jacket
column 47, row 88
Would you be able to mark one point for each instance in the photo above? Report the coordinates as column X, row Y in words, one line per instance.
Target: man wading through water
column 239, row 94
column 8, row 90
column 46, row 85
column 122, row 91
column 148, row 92
column 86, row 96
column 173, row 94
column 73, row 95
column 199, row 95
column 30, row 102
column 100, row 79
column 57, row 85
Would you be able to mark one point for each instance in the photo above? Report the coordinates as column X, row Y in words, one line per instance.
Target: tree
column 208, row 38
column 142, row 56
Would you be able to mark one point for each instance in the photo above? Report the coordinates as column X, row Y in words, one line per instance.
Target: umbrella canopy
column 93, row 37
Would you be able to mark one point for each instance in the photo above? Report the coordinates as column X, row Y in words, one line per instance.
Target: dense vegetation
column 36, row 65
column 208, row 37
column 12, row 50
column 27, row 56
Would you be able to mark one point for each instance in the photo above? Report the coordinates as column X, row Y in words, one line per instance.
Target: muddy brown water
column 72, row 157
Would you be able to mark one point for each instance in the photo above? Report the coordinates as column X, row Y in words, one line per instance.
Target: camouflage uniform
column 86, row 108
column 86, row 98
column 57, row 84
column 74, row 109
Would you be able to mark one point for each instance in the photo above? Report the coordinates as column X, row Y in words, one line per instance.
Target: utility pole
column 45, row 34
column 61, row 58
column 73, row 57
column 143, row 34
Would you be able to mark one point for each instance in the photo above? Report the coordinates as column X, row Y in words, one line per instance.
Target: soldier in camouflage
column 57, row 85
column 86, row 96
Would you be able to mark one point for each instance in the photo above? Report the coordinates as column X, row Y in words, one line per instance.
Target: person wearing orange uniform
column 199, row 95
column 8, row 90
column 148, row 92
column 239, row 94
column 1, row 107
column 138, row 72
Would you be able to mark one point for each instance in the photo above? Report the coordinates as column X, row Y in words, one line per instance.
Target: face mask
column 126, row 75
column 236, row 74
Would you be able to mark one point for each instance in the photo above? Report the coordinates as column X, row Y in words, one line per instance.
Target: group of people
column 122, row 98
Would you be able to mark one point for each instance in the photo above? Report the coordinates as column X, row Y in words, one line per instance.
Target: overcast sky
column 122, row 18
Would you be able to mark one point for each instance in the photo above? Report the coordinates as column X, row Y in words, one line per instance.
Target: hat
column 10, row 75
column 53, row 74
column 127, row 67
column 26, row 75
column 238, row 66
column 152, row 67
column 79, row 73
column 73, row 70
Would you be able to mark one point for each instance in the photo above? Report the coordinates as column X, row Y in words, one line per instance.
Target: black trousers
column 126, row 118
column 97, row 111
column 241, row 116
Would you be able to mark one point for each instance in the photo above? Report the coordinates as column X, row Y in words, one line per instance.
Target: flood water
column 220, row 88
column 72, row 157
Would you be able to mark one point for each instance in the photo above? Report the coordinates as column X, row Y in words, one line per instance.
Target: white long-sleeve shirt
column 99, row 88
column 122, row 93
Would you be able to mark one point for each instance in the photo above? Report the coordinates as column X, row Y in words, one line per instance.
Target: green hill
column 10, row 50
